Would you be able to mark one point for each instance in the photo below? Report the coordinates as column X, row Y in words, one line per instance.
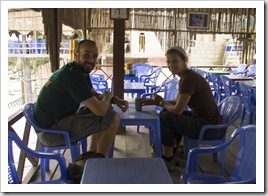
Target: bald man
column 58, row 105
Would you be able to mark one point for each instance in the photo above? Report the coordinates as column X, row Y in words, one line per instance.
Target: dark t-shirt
column 202, row 102
column 61, row 95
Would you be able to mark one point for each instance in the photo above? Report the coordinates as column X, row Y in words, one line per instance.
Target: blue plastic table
column 134, row 87
column 147, row 117
column 125, row 171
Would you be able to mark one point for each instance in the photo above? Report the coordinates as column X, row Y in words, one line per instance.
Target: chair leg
column 75, row 151
column 252, row 117
column 223, row 162
column 151, row 136
column 84, row 145
column 215, row 158
column 138, row 128
column 242, row 118
column 111, row 151
column 43, row 169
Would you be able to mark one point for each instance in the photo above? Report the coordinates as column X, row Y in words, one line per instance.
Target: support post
column 118, row 58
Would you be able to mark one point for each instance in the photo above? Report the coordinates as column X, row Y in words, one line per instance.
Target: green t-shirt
column 62, row 95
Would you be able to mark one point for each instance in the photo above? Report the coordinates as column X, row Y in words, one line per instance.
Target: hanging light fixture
column 142, row 42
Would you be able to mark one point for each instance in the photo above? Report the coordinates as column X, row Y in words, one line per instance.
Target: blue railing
column 34, row 47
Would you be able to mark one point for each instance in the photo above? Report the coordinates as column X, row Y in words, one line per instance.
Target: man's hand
column 121, row 103
column 157, row 99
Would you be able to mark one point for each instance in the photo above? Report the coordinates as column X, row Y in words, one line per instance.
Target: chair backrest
column 245, row 165
column 142, row 69
column 253, row 95
column 154, row 76
column 230, row 109
column 202, row 73
column 227, row 85
column 217, row 84
column 251, row 71
column 245, row 95
column 99, row 83
column 28, row 112
column 240, row 69
column 171, row 89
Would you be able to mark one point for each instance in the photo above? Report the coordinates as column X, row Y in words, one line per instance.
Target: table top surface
column 125, row 171
column 238, row 77
column 214, row 66
column 218, row 72
column 148, row 112
column 134, row 85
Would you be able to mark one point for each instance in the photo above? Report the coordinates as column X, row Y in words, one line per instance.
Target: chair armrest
column 207, row 127
column 145, row 76
column 144, row 95
column 194, row 152
column 62, row 132
column 147, row 80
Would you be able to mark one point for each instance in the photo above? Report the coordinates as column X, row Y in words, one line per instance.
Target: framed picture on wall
column 198, row 20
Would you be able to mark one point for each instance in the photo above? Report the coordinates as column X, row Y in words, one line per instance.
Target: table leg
column 157, row 138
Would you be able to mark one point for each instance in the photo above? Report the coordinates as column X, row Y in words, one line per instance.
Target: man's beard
column 86, row 67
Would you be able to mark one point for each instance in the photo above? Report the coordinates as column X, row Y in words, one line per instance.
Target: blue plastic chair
column 142, row 69
column 230, row 109
column 201, row 73
column 253, row 95
column 219, row 93
column 150, row 80
column 13, row 177
column 251, row 71
column 240, row 70
column 32, row 47
column 244, row 171
column 28, row 112
column 99, row 83
column 170, row 88
column 227, row 85
column 249, row 107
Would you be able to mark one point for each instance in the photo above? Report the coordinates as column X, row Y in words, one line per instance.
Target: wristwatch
column 112, row 100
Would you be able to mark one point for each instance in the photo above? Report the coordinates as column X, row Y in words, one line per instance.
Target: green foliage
column 109, row 48
column 12, row 64
column 35, row 64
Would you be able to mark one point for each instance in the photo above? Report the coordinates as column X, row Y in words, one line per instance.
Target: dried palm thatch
column 169, row 25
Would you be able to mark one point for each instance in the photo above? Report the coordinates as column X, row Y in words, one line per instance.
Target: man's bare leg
column 93, row 142
column 106, row 137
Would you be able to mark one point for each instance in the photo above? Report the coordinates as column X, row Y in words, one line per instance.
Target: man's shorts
column 79, row 125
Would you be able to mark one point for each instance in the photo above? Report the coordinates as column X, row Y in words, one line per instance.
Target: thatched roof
column 240, row 22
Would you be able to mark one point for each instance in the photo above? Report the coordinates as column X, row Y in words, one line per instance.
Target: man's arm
column 97, row 95
column 99, row 103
